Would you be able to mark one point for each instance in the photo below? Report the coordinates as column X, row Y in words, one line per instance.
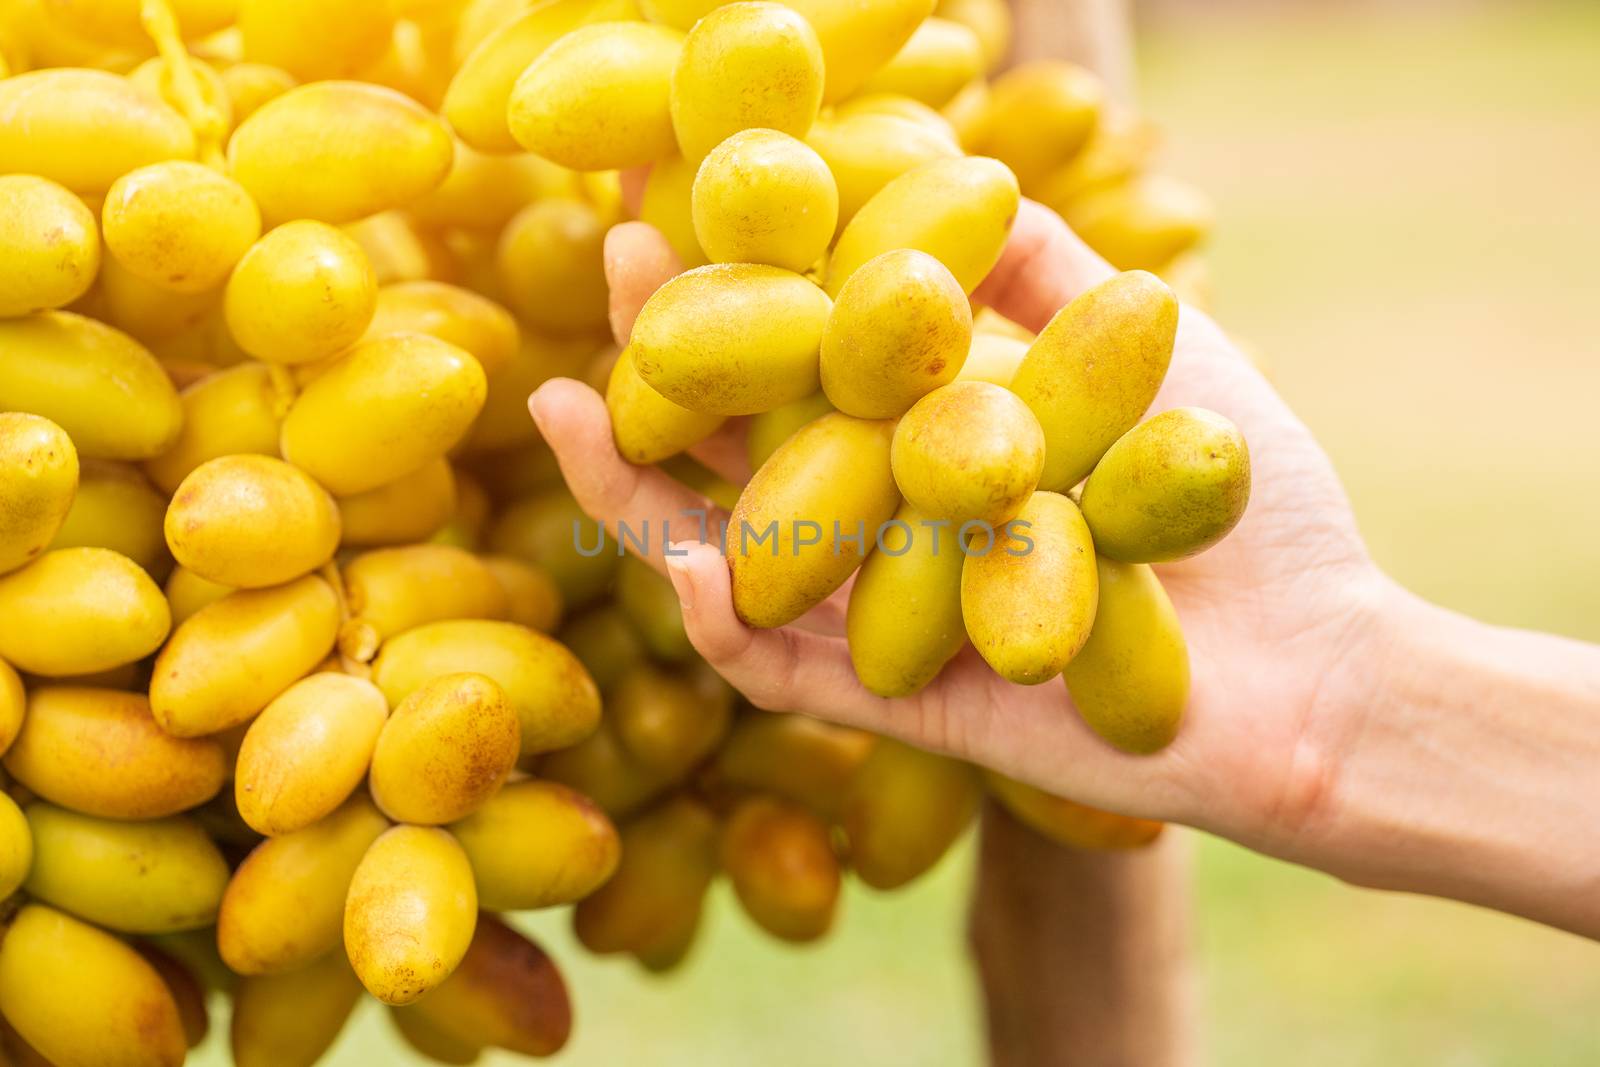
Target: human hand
column 1273, row 615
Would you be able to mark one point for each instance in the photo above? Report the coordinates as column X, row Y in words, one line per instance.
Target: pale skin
column 1335, row 720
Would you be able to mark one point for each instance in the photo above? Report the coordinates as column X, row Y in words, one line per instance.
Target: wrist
column 1457, row 759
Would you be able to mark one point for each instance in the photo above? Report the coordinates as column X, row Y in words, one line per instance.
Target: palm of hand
column 1269, row 614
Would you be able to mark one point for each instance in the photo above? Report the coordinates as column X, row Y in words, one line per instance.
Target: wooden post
column 1083, row 956
column 1097, row 34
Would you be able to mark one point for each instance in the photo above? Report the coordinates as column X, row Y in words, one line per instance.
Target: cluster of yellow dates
column 301, row 666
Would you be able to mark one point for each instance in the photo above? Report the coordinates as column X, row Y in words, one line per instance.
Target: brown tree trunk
column 1097, row 34
column 1083, row 956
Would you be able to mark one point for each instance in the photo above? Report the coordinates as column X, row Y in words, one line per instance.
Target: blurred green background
column 1409, row 201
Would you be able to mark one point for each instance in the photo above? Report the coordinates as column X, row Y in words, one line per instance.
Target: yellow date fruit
column 900, row 106
column 648, row 427
column 119, row 23
column 98, row 384
column 667, row 722
column 905, row 808
column 596, row 99
column 537, row 844
column 52, row 246
column 647, row 598
column 303, row 292
column 251, row 521
column 460, row 316
column 84, row 129
column 292, row 1019
column 432, row 1041
column 307, row 752
column 187, row 593
column 38, row 480
column 13, row 705
column 416, row 879
column 601, row 769
column 371, row 148
column 312, row 40
column 989, row 19
column 1130, row 682
column 116, row 508
column 485, row 189
column 1067, row 822
column 940, row 57
column 1095, row 368
column 795, row 756
column 669, row 857
column 900, row 328
column 531, row 596
column 395, row 589
column 153, row 877
column 606, row 643
column 968, row 111
column 731, row 338
column 799, row 530
column 83, row 998
column 668, row 205
column 1028, row 638
column 994, row 357
column 551, row 531
column 232, row 657
column 764, row 197
column 179, row 225
column 904, row 623
column 236, row 411
column 16, row 843
column 968, row 452
column 284, row 906
column 79, row 611
column 251, row 85
column 447, row 749
column 857, row 39
column 1120, row 146
column 1050, row 110
column 99, row 751
column 503, row 424
column 1142, row 223
column 959, row 211
column 417, row 396
column 551, row 265
column 745, row 66
column 506, row 993
column 766, row 431
column 556, row 701
column 413, row 507
column 780, row 860
column 866, row 151
column 1169, row 488
column 477, row 102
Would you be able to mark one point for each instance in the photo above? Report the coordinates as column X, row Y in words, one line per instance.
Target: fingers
column 1044, row 266
column 786, row 669
column 653, row 506
column 632, row 181
column 638, row 262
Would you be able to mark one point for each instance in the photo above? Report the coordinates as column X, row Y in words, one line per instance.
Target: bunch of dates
column 309, row 676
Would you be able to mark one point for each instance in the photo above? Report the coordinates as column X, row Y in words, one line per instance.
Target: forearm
column 1468, row 766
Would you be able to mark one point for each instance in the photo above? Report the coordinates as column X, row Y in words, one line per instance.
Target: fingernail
column 682, row 580
column 536, row 408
